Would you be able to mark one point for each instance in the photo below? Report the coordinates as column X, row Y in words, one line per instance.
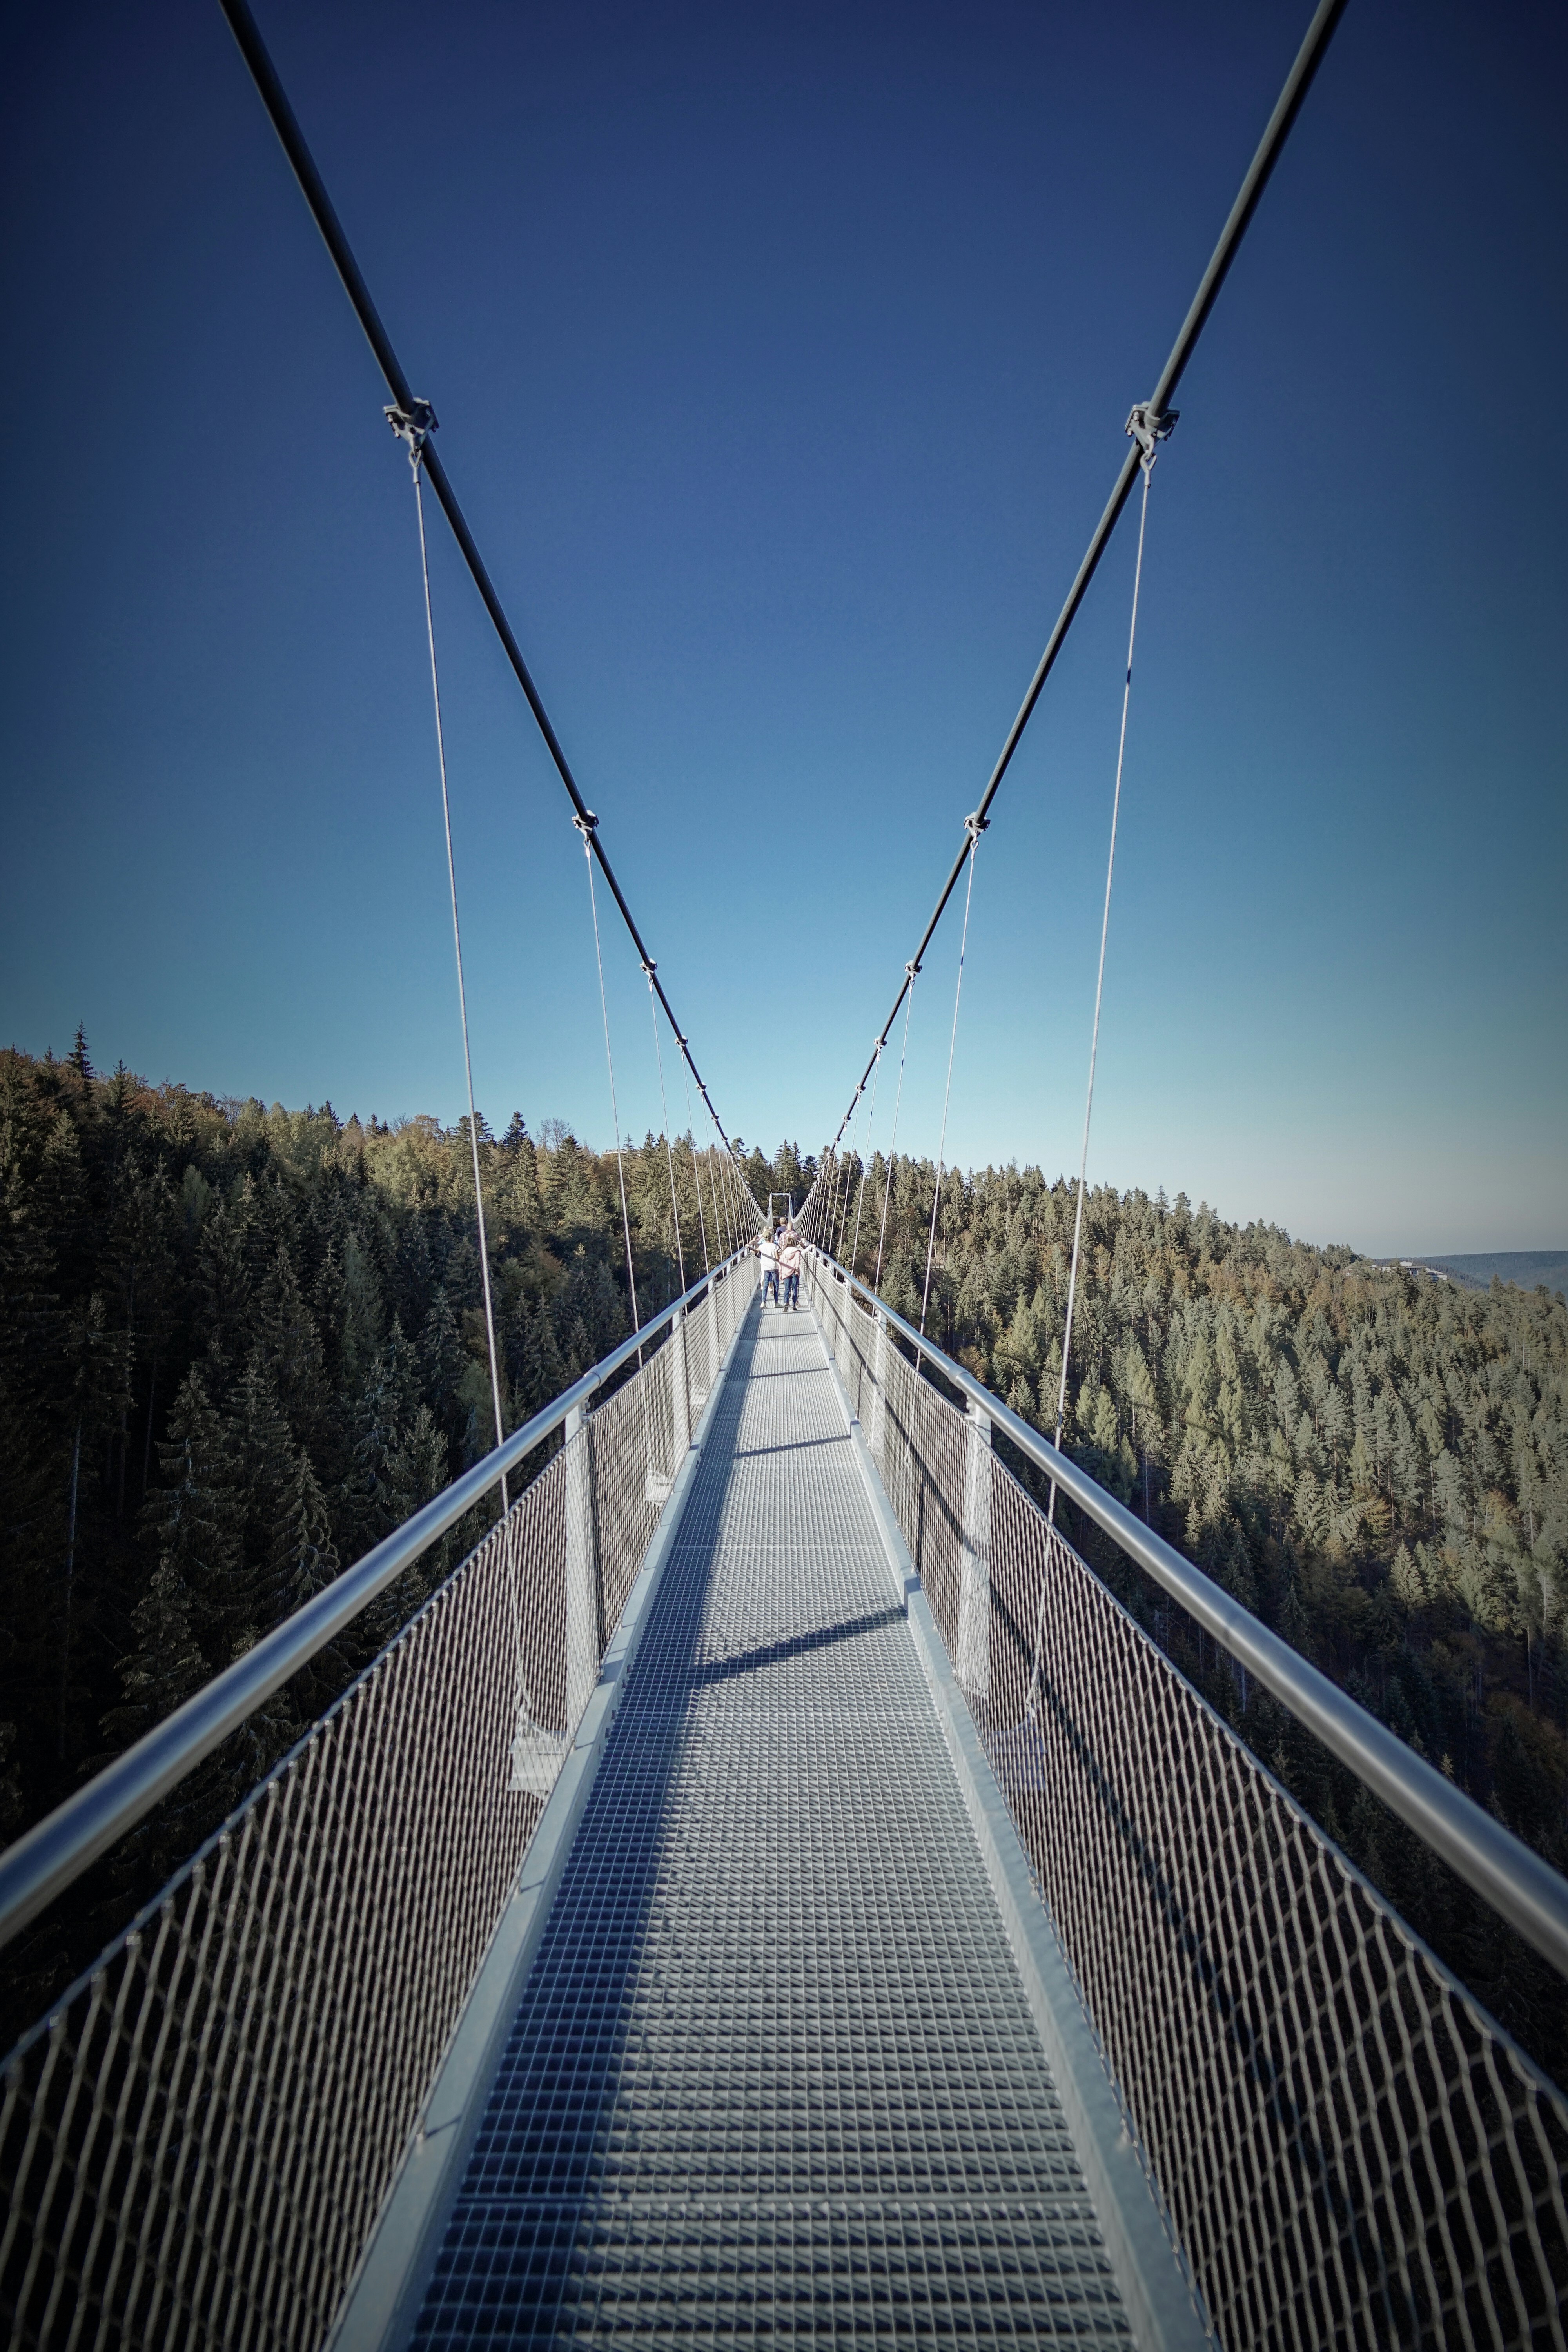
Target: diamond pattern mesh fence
column 1349, row 2150
column 195, row 2141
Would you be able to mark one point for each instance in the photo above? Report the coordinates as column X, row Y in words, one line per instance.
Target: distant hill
column 1525, row 1267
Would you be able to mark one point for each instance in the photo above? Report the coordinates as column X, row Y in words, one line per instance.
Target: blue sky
column 782, row 358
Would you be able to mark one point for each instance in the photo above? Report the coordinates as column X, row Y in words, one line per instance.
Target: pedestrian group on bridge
column 778, row 1247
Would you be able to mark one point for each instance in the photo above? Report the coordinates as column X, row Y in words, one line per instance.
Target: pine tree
column 290, row 1345
column 533, row 1359
column 303, row 1561
column 387, row 1418
column 166, row 1667
column 443, row 1359
column 265, row 1464
column 222, row 1255
column 194, row 1519
column 574, row 1310
column 611, row 1323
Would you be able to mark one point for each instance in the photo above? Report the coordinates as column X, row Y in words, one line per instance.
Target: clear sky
column 782, row 357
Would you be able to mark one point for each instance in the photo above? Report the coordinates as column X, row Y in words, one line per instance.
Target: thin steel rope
column 414, row 456
column 865, row 1169
column 947, row 1092
column 721, row 1162
column 851, row 1161
column 893, row 1139
column 854, row 1159
column 842, row 1218
column 664, row 1113
column 721, row 1206
column 833, row 1204
column 615, row 1120
column 1093, row 1055
column 696, row 1171
column 942, row 1146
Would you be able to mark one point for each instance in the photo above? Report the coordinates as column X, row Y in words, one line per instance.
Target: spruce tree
column 195, row 1518
column 302, row 1561
column 443, row 1359
column 166, row 1667
column 533, row 1359
column 264, row 1461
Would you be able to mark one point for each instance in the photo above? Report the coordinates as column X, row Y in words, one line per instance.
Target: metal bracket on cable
column 586, row 824
column 649, row 967
column 413, row 426
column 909, row 970
column 1147, row 428
column 974, row 824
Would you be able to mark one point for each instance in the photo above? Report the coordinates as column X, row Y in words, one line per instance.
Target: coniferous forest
column 1374, row 1461
column 238, row 1345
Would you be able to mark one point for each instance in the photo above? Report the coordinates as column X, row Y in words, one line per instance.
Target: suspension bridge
column 773, row 1890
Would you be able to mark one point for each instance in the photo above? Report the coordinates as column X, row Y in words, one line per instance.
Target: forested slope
column 238, row 1346
column 1374, row 1461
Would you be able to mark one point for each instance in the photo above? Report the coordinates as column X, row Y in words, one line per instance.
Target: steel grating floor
column 773, row 2077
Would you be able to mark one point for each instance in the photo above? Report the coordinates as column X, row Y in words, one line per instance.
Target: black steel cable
column 274, row 98
column 1296, row 84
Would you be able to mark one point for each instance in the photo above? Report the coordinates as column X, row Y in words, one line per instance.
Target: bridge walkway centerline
column 774, row 2073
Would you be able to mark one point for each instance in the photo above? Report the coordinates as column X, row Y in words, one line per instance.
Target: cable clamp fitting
column 974, row 825
column 909, row 971
column 649, row 967
column 1147, row 428
column 586, row 824
column 413, row 426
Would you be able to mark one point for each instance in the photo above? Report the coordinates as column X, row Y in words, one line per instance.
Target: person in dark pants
column 789, row 1266
column 768, row 1251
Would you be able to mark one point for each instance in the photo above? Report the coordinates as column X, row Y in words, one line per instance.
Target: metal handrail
column 1518, row 1883
column 56, row 1850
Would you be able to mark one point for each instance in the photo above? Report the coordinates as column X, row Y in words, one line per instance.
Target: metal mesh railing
column 194, row 2143
column 1349, row 2150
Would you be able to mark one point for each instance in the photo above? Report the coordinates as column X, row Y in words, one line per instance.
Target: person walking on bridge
column 768, row 1251
column 789, row 1266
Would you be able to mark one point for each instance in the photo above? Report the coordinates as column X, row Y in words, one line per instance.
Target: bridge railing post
column 875, row 1416
column 973, row 1662
column 584, row 1599
column 710, row 1329
column 680, row 1396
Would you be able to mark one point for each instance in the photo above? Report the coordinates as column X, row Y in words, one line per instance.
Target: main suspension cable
column 274, row 98
column 1160, row 417
column 414, row 436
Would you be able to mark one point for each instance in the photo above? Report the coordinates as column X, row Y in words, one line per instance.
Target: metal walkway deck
column 774, row 2076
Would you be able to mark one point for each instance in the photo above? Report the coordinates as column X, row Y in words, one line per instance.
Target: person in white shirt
column 768, row 1251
